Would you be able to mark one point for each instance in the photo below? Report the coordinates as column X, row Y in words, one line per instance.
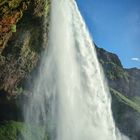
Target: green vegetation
column 14, row 3
column 11, row 3
column 2, row 2
column 131, row 103
column 136, row 99
column 13, row 28
column 19, row 131
column 47, row 7
column 19, row 90
column 115, row 72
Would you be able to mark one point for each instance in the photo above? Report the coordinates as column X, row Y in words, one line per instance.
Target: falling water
column 70, row 99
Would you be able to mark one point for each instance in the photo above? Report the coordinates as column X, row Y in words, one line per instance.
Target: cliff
column 21, row 27
column 124, row 86
column 21, row 37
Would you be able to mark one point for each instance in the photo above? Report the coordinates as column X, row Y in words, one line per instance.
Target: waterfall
column 71, row 100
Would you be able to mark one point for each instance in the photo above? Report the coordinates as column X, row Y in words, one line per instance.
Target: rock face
column 11, row 12
column 21, row 37
column 126, row 81
column 126, row 99
column 118, row 78
column 20, row 49
column 134, row 81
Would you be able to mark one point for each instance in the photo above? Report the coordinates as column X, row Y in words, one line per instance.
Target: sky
column 115, row 26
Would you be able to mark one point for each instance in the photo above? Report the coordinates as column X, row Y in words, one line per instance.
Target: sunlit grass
column 133, row 103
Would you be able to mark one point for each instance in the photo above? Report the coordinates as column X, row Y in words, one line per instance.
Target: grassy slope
column 19, row 131
column 132, row 103
column 137, row 100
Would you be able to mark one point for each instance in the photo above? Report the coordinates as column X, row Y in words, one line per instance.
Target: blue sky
column 115, row 26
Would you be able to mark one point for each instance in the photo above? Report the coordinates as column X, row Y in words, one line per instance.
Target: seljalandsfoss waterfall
column 71, row 100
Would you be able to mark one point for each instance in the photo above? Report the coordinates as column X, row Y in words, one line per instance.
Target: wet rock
column 22, row 28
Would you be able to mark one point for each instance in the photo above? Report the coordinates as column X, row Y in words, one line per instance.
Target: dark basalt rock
column 127, row 82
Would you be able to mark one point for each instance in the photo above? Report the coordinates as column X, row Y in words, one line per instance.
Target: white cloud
column 135, row 59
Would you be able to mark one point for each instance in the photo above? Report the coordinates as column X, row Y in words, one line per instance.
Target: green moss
column 19, row 91
column 47, row 7
column 14, row 3
column 13, row 28
column 19, row 131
